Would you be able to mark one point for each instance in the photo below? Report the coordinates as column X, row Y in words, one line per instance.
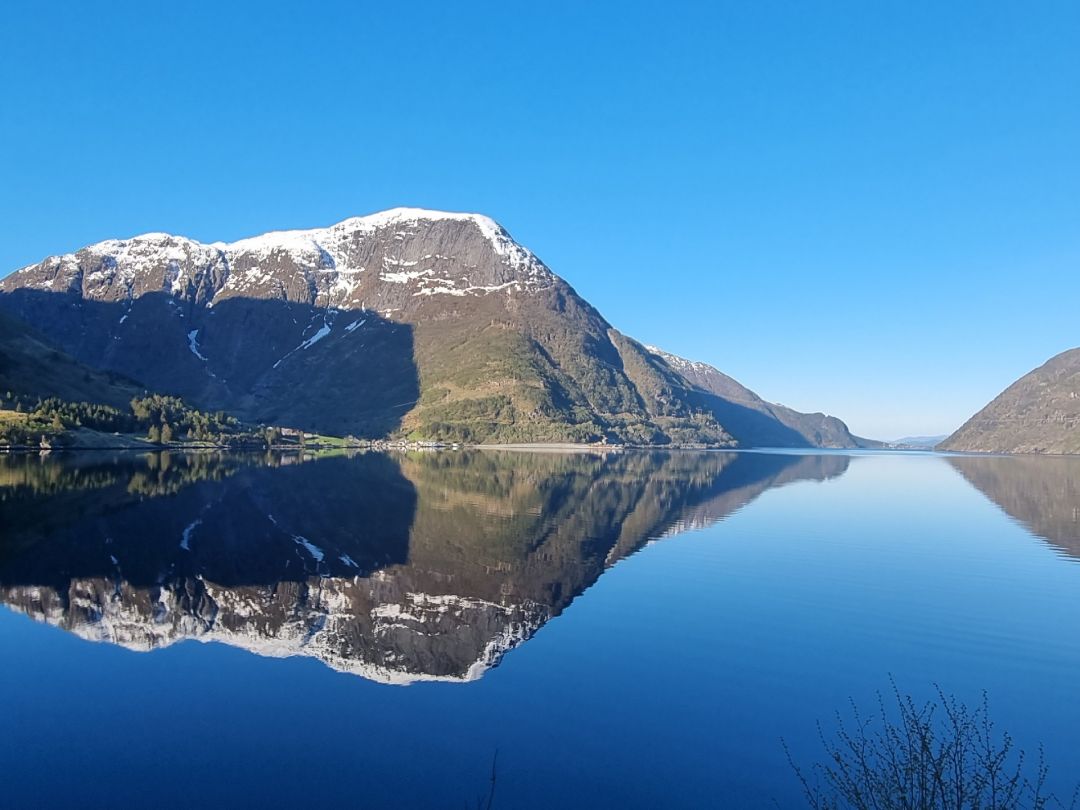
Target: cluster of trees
column 61, row 415
column 27, row 421
column 14, row 402
column 167, row 419
column 162, row 419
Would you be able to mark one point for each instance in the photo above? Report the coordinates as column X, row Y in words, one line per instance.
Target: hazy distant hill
column 1039, row 413
column 407, row 322
column 917, row 442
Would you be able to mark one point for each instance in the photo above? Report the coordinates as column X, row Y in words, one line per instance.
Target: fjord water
column 632, row 629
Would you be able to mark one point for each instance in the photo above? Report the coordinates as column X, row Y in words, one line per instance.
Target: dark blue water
column 630, row 630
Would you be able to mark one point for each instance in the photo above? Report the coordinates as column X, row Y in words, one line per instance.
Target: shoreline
column 538, row 447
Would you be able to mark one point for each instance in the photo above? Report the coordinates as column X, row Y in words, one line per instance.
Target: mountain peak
column 304, row 241
column 347, row 229
column 418, row 252
column 393, row 216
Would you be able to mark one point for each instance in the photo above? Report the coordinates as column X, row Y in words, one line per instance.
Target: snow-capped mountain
column 389, row 257
column 408, row 321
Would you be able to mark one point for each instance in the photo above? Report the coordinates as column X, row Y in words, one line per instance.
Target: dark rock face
column 1039, row 413
column 406, row 322
column 415, row 567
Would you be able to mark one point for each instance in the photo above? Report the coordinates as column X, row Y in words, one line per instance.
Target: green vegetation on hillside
column 162, row 419
column 557, row 373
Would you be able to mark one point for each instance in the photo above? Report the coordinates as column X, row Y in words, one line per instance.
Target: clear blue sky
column 871, row 209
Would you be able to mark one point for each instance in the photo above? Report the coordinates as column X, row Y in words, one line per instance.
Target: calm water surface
column 627, row 630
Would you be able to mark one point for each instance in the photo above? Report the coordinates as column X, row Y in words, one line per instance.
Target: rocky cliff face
column 1039, row 413
column 428, row 567
column 405, row 322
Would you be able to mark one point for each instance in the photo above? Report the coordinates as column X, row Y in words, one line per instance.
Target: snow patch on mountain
column 404, row 276
column 324, row 330
column 185, row 540
column 193, row 343
column 679, row 363
column 316, row 553
column 448, row 288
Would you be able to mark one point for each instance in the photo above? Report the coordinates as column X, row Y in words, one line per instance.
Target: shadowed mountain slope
column 30, row 366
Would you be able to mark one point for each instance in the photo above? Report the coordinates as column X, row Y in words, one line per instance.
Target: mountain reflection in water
column 398, row 568
column 1040, row 492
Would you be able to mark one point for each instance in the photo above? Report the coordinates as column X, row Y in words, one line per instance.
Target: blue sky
column 870, row 209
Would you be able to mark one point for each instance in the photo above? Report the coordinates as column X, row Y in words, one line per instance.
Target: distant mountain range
column 415, row 323
column 1039, row 413
column 916, row 442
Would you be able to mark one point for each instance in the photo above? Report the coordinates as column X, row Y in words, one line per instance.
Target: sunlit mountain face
column 397, row 568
